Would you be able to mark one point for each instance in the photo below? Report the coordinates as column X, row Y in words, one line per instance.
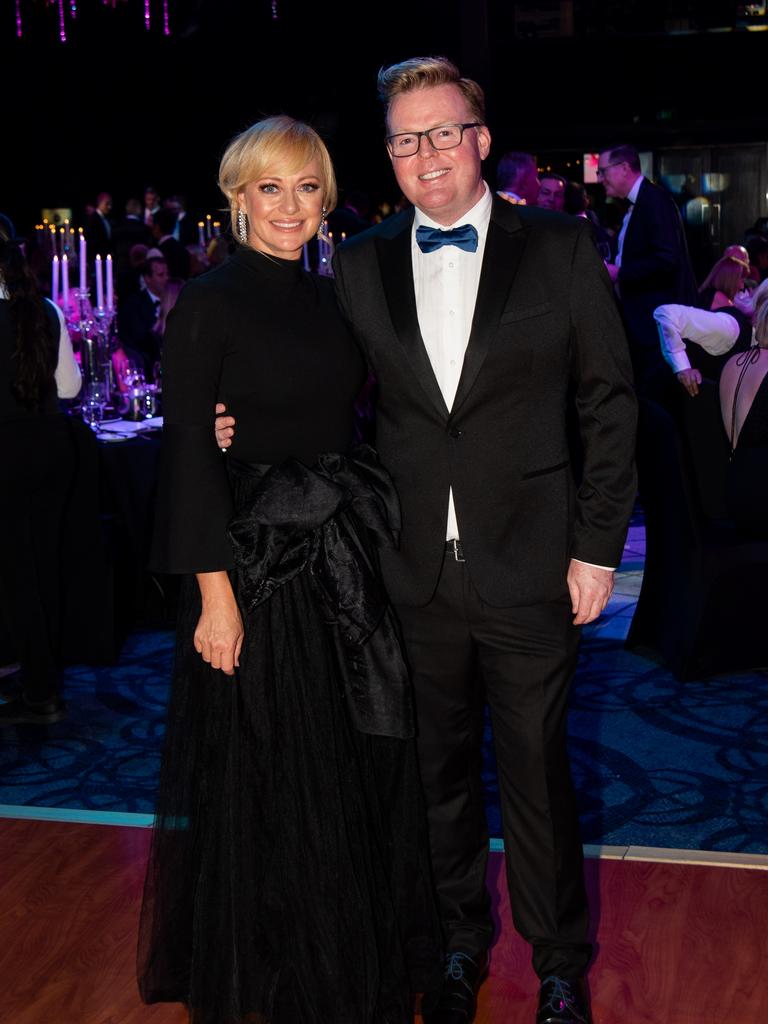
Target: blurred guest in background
column 151, row 204
column 99, row 227
column 185, row 230
column 176, row 256
column 129, row 232
column 168, row 301
column 551, row 192
column 652, row 266
column 37, row 464
column 718, row 330
column 517, row 178
column 352, row 217
column 744, row 407
column 138, row 313
column 198, row 260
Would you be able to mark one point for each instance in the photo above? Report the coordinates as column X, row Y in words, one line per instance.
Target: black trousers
column 462, row 652
column 37, row 462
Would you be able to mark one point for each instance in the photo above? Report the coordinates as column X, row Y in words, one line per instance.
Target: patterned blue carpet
column 656, row 762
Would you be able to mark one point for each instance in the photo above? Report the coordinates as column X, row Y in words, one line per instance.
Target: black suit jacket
column 655, row 265
column 545, row 324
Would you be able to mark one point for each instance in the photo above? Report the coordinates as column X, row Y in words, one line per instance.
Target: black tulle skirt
column 288, row 879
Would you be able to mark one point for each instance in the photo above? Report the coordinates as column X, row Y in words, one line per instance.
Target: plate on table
column 103, row 436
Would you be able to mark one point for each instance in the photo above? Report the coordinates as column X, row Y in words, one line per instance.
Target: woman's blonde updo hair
column 276, row 145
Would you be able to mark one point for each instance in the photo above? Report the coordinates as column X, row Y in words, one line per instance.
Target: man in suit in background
column 479, row 319
column 138, row 314
column 517, row 178
column 99, row 227
column 652, row 265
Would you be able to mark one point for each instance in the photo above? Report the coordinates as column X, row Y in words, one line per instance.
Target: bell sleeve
column 194, row 502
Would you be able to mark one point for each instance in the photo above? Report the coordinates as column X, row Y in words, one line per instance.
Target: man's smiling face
column 446, row 183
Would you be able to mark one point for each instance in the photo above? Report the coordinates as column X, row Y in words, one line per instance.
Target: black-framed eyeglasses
column 600, row 172
column 444, row 136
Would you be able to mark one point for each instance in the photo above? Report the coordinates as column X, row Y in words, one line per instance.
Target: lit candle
column 65, row 280
column 208, row 233
column 55, row 279
column 201, row 233
column 216, row 229
column 83, row 264
column 110, row 285
column 53, row 238
column 62, row 241
column 99, row 284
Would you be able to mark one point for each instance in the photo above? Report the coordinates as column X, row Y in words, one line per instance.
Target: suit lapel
column 503, row 252
column 396, row 266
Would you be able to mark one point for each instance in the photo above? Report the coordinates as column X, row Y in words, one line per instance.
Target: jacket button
column 454, row 433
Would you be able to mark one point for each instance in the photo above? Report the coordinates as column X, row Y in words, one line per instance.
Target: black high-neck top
column 266, row 338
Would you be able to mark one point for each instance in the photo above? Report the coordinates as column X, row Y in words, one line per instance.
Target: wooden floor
column 676, row 944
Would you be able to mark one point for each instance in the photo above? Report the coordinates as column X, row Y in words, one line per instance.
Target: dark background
column 118, row 107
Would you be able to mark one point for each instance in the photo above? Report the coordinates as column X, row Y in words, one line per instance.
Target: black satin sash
column 327, row 520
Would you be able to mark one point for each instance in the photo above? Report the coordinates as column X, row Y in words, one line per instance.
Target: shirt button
column 451, row 312
column 453, row 362
column 451, row 265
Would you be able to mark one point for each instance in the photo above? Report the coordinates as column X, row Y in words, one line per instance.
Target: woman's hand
column 219, row 634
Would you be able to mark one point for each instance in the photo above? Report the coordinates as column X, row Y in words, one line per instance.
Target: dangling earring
column 322, row 231
column 242, row 227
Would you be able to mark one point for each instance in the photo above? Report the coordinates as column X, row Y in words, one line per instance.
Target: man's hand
column 690, row 379
column 590, row 587
column 225, row 427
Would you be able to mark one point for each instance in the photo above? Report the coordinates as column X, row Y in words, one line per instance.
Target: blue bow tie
column 431, row 239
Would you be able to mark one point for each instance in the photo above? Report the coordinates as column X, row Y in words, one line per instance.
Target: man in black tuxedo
column 652, row 265
column 138, row 315
column 99, row 226
column 479, row 319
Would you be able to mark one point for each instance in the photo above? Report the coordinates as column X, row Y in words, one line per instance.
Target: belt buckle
column 456, row 551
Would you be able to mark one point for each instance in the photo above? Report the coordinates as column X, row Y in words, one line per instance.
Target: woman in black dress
column 288, row 880
column 744, row 407
column 37, row 468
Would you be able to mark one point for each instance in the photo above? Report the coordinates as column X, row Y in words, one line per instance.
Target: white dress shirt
column 68, row 377
column 632, row 197
column 445, row 282
column 717, row 334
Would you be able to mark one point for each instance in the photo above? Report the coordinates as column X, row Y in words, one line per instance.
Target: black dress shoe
column 457, row 1000
column 21, row 711
column 563, row 1001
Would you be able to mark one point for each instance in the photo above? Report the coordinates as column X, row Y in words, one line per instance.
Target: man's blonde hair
column 424, row 73
column 276, row 145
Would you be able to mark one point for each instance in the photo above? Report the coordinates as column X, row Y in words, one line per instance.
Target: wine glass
column 95, row 397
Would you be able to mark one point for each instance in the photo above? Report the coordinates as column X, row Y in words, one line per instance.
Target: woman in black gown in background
column 288, row 880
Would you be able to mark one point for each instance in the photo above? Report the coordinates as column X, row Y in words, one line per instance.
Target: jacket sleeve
column 194, row 504
column 606, row 408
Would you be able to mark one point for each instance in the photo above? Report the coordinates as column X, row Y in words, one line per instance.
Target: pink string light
column 274, row 10
column 72, row 6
